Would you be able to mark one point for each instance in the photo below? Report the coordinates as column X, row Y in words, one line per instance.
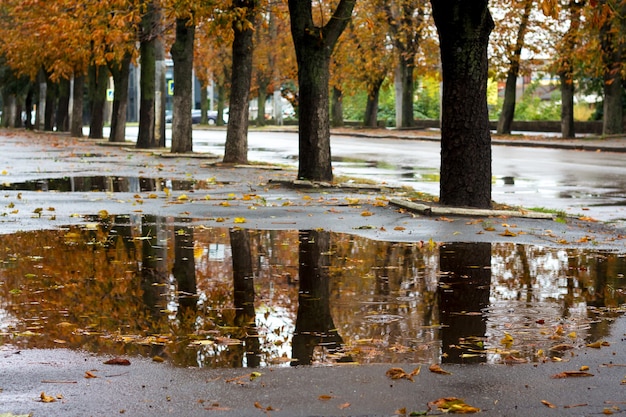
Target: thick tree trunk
column 314, row 46
column 510, row 90
column 28, row 123
column 76, row 130
column 121, row 74
column 567, row 107
column 371, row 108
column 236, row 148
column 182, row 55
column 337, row 107
column 160, row 85
column 221, row 92
column 147, row 50
column 41, row 100
column 464, row 29
column 204, row 104
column 63, row 116
column 611, row 56
column 98, row 78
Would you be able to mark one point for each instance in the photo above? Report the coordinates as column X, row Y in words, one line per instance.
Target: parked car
column 196, row 114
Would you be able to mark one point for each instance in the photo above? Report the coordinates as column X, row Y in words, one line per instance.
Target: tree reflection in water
column 204, row 296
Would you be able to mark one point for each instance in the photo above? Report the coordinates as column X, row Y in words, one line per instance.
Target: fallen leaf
column 571, row 374
column 435, row 368
column 598, row 344
column 46, row 398
column 366, row 213
column 344, row 406
column 561, row 348
column 117, row 361
column 239, row 220
column 89, row 374
column 453, row 405
column 548, row 404
column 325, row 397
column 399, row 373
column 508, row 233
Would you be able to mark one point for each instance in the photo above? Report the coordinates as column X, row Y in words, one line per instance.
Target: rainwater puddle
column 217, row 297
column 108, row 184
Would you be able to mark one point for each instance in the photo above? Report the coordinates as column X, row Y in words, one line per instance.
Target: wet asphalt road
column 148, row 388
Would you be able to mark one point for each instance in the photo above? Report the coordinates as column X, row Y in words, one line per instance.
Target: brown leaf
column 325, row 397
column 344, row 406
column 453, row 405
column 437, row 369
column 46, row 398
column 399, row 373
column 571, row 374
column 89, row 374
column 548, row 404
column 117, row 361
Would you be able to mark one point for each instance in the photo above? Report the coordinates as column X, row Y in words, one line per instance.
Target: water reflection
column 214, row 297
column 109, row 184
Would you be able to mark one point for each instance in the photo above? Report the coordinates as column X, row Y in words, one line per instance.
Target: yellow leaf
column 103, row 214
column 399, row 228
column 182, row 197
column 46, row 398
column 507, row 232
column 152, row 195
column 225, row 204
column 507, row 340
column 4, row 172
column 367, row 213
column 239, row 220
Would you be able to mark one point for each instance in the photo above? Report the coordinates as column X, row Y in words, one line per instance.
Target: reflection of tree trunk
column 243, row 280
column 463, row 295
column 153, row 271
column 314, row 324
column 184, row 272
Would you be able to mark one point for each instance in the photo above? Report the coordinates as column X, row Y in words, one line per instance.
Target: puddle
column 109, row 184
column 217, row 297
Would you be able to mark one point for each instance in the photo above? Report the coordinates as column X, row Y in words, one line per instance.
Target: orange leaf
column 437, row 369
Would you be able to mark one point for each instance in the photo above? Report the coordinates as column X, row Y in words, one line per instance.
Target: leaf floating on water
column 435, row 368
column 571, row 374
column 118, row 361
column 561, row 348
column 598, row 344
column 453, row 405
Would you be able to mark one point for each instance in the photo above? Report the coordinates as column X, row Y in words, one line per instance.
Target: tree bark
column 147, row 50
column 76, row 130
column 611, row 55
column 236, row 148
column 314, row 46
column 567, row 106
column 510, row 90
column 121, row 73
column 464, row 29
column 63, row 117
column 51, row 96
column 262, row 98
column 337, row 107
column 182, row 55
column 98, row 77
column 371, row 107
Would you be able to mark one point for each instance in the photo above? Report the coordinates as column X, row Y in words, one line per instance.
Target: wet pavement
column 204, row 275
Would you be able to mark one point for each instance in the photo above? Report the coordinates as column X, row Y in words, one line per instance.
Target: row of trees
column 255, row 46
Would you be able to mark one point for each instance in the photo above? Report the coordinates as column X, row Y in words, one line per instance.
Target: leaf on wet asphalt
column 571, row 374
column 561, row 348
column 260, row 407
column 508, row 233
column 453, row 405
column 239, row 220
column 325, row 397
column 598, row 344
column 435, row 368
column 399, row 373
column 587, row 219
column 445, row 219
column 366, row 213
column 44, row 398
column 118, row 361
column 89, row 374
column 548, row 404
column 343, row 406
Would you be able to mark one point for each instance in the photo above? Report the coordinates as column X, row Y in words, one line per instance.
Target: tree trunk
column 261, row 99
column 314, row 47
column 147, row 50
column 63, row 116
column 204, row 104
column 76, row 130
column 121, row 73
column 28, row 123
column 236, row 148
column 337, row 107
column 98, row 78
column 371, row 108
column 220, row 104
column 405, row 72
column 611, row 56
column 41, row 102
column 510, row 91
column 464, row 29
column 160, row 85
column 567, row 106
column 182, row 55
column 51, row 96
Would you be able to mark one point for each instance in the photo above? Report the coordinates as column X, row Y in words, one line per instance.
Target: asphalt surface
column 146, row 388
